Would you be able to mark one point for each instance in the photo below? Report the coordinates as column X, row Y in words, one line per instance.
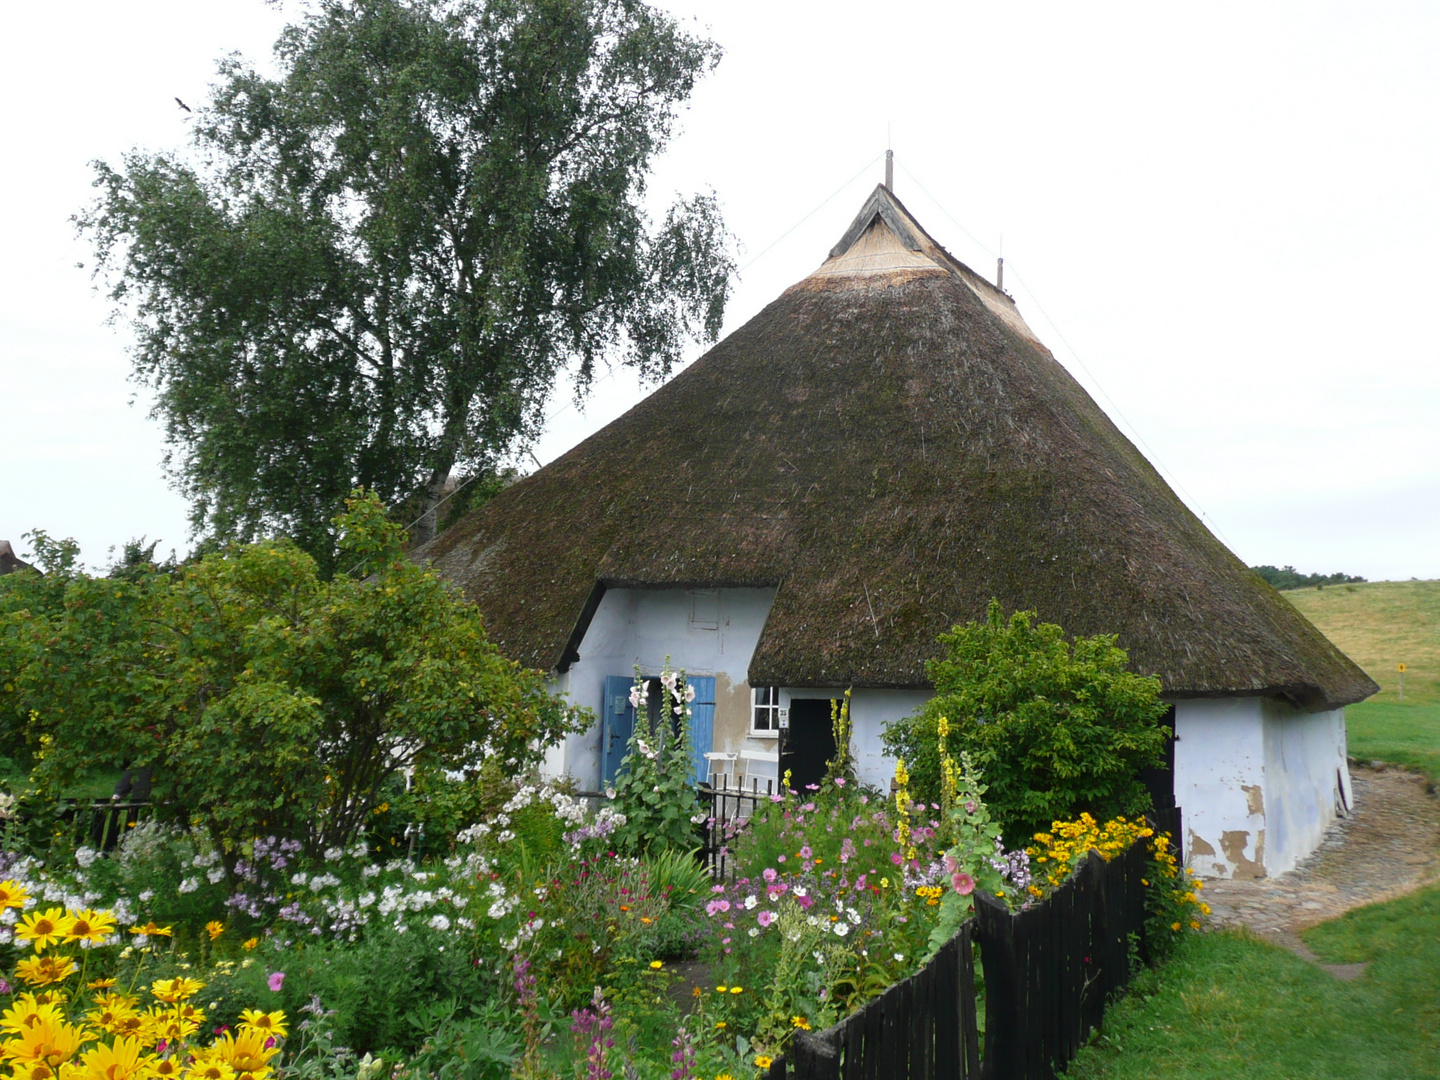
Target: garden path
column 1387, row 847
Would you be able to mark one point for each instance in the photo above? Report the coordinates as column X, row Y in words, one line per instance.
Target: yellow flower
column 737, row 989
column 721, row 1025
column 12, row 894
column 214, row 929
column 211, row 1070
column 116, row 1015
column 169, row 1025
column 176, row 989
column 721, row 988
column 1175, row 926
column 44, row 970
column 100, row 984
column 151, row 930
column 656, row 964
column 25, row 1012
column 42, row 928
column 762, row 1062
column 250, row 944
column 49, row 1043
column 87, row 925
column 271, row 1023
column 245, row 1053
column 800, row 1022
column 118, row 1062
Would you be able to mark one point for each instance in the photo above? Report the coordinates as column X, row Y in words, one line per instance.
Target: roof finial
column 890, row 171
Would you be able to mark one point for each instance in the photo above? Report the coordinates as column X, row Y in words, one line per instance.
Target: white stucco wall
column 1257, row 781
column 704, row 632
column 1307, row 782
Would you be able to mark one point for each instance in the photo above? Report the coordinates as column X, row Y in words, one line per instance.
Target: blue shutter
column 702, row 723
column 617, row 721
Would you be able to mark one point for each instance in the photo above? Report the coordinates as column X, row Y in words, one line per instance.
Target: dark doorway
column 809, row 743
column 1160, row 779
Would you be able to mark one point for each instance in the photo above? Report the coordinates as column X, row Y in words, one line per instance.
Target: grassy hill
column 1380, row 624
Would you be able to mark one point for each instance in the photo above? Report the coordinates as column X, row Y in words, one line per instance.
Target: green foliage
column 1058, row 728
column 374, row 266
column 974, row 840
column 1287, row 577
column 267, row 700
column 654, row 788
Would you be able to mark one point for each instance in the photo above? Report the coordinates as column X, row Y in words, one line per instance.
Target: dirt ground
column 1387, row 847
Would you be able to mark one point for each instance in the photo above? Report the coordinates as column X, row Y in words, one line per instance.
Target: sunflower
column 211, row 1070
column 42, row 928
column 272, row 1023
column 92, row 926
column 177, row 989
column 114, row 1017
column 186, row 1010
column 214, row 929
column 25, row 1012
column 49, row 1042
column 100, row 984
column 118, row 1062
column 166, row 1069
column 44, row 970
column 151, row 930
column 165, row 1024
column 12, row 894
column 245, row 1053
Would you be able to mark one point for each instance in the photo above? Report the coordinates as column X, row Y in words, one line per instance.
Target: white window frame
column 770, row 709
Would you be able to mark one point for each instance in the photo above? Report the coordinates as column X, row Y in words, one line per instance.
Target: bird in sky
column 182, row 105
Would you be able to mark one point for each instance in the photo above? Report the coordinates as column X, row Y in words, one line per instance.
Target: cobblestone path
column 1388, row 846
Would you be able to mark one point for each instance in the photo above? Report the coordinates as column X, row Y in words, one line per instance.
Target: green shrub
column 1057, row 727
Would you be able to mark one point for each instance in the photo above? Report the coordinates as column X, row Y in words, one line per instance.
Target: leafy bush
column 267, row 700
column 1057, row 728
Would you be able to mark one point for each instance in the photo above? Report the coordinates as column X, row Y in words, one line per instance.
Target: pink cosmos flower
column 765, row 918
column 779, row 858
column 805, row 852
column 804, row 902
column 769, row 874
column 964, row 884
column 277, row 980
column 896, row 858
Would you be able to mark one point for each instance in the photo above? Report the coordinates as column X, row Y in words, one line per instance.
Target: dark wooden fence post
column 1004, row 1023
column 814, row 1056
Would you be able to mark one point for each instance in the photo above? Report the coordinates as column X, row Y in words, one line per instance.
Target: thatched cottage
column 862, row 465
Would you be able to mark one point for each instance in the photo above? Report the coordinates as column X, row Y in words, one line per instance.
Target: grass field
column 1230, row 1005
column 1379, row 625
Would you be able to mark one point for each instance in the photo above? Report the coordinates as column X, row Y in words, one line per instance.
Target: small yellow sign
column 1400, row 668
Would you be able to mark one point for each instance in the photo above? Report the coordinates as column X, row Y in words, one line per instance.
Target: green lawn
column 1229, row 1005
column 1398, row 732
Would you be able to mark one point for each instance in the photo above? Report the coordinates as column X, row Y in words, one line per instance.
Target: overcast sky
column 1221, row 218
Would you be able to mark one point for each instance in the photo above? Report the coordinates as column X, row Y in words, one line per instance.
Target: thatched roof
column 9, row 561
column 890, row 445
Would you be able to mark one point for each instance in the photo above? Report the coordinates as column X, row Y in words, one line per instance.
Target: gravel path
column 1387, row 847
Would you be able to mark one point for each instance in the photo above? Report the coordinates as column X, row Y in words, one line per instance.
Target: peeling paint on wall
column 1254, row 798
column 1234, row 843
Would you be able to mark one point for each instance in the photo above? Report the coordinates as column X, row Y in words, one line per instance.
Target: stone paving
column 1387, row 847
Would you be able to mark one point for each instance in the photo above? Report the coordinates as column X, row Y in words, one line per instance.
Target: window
column 765, row 712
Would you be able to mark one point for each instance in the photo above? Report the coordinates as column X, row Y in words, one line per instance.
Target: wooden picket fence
column 1048, row 971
